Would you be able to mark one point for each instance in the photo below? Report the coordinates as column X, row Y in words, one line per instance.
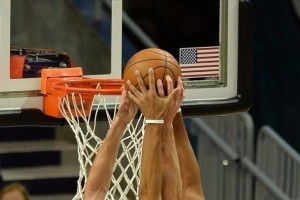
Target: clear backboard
column 212, row 41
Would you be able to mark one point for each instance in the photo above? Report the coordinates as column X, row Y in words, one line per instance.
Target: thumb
column 173, row 95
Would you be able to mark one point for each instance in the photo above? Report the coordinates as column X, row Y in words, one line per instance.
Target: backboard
column 210, row 39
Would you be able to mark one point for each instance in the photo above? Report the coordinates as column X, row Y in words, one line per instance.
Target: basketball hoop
column 62, row 85
column 77, row 96
column 92, row 86
column 68, row 95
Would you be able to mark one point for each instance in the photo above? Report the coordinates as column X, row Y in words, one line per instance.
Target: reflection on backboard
column 28, row 63
column 210, row 39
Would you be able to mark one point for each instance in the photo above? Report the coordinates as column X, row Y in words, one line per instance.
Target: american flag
column 199, row 62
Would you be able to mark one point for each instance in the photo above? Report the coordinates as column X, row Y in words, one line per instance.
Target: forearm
column 151, row 165
column 99, row 178
column 172, row 185
column 189, row 169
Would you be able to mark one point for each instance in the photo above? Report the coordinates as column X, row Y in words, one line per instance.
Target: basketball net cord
column 126, row 178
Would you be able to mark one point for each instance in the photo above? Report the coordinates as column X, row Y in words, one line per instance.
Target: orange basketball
column 162, row 62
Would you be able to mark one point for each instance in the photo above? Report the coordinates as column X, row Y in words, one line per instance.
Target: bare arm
column 172, row 185
column 153, row 107
column 151, row 165
column 189, row 169
column 99, row 178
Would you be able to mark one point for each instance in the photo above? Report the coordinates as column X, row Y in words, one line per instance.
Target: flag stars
column 188, row 55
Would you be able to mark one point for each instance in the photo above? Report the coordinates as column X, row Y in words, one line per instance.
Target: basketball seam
column 165, row 69
column 164, row 52
column 169, row 65
column 166, row 61
column 154, row 51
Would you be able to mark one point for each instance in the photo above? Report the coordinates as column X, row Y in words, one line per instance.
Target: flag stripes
column 199, row 62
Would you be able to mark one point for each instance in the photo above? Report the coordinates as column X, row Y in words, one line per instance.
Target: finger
column 151, row 80
column 133, row 89
column 140, row 81
column 170, row 86
column 180, row 83
column 179, row 98
column 133, row 98
column 160, row 88
column 178, row 95
column 124, row 94
column 173, row 95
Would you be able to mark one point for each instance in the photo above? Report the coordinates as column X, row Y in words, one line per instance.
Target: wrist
column 178, row 117
column 153, row 114
column 121, row 122
column 168, row 127
column 154, row 121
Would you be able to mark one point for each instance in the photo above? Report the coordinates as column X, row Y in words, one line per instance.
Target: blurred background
column 85, row 29
column 276, row 67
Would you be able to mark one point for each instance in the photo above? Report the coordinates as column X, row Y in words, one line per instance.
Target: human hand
column 176, row 102
column 151, row 105
column 127, row 108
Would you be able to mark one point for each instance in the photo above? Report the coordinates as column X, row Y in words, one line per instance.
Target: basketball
column 162, row 63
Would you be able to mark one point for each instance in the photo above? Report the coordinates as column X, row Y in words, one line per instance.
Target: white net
column 125, row 179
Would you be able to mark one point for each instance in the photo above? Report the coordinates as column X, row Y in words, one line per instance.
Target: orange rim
column 89, row 86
